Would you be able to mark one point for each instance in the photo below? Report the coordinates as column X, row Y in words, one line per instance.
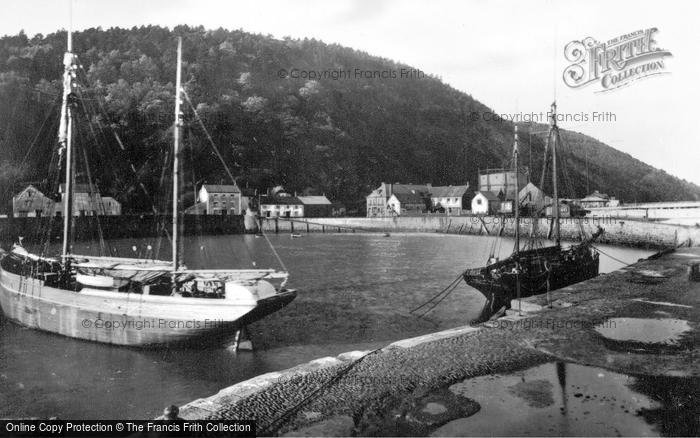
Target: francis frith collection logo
column 615, row 63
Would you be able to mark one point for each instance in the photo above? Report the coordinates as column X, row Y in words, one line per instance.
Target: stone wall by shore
column 627, row 232
column 617, row 231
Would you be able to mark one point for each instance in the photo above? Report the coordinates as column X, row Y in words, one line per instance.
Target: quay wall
column 617, row 231
column 627, row 232
column 660, row 210
column 36, row 229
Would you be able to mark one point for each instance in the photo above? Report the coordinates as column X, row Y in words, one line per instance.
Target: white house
column 450, row 199
column 378, row 200
column 598, row 200
column 485, row 202
column 87, row 201
column 281, row 206
column 220, row 199
column 32, row 202
column 405, row 203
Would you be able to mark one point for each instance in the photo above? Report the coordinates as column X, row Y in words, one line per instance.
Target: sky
column 507, row 54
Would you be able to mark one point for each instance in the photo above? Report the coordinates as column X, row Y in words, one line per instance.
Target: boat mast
column 516, row 207
column 176, row 153
column 554, row 133
column 516, row 201
column 65, row 140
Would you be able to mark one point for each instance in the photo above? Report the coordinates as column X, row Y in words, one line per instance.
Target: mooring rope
column 612, row 257
column 448, row 290
column 437, row 303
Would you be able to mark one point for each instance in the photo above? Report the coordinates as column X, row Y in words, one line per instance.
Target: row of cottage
column 215, row 199
column 495, row 195
column 230, row 199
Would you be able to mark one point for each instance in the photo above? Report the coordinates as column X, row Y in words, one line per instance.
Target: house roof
column 409, row 198
column 30, row 187
column 596, row 196
column 488, row 195
column 376, row 192
column 281, row 200
column 449, row 191
column 531, row 189
column 409, row 188
column 314, row 200
column 221, row 188
column 420, row 190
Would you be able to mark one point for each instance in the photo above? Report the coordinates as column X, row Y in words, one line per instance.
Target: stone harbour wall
column 617, row 231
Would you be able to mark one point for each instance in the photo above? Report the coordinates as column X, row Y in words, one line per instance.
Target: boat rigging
column 177, row 304
column 534, row 269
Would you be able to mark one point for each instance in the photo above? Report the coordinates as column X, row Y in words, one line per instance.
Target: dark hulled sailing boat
column 535, row 270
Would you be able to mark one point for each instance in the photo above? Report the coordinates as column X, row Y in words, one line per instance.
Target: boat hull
column 538, row 272
column 127, row 319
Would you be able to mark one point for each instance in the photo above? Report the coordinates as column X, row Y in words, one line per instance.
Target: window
column 478, row 201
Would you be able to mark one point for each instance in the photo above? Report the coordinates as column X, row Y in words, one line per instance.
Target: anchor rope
column 612, row 257
column 447, row 290
column 437, row 303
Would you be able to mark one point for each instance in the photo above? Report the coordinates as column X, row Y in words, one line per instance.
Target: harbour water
column 355, row 292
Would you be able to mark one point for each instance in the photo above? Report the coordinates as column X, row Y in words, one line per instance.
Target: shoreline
column 379, row 392
column 621, row 232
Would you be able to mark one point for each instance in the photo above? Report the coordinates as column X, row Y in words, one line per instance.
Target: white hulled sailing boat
column 128, row 301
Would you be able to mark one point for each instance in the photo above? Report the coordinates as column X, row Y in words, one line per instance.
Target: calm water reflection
column 355, row 292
